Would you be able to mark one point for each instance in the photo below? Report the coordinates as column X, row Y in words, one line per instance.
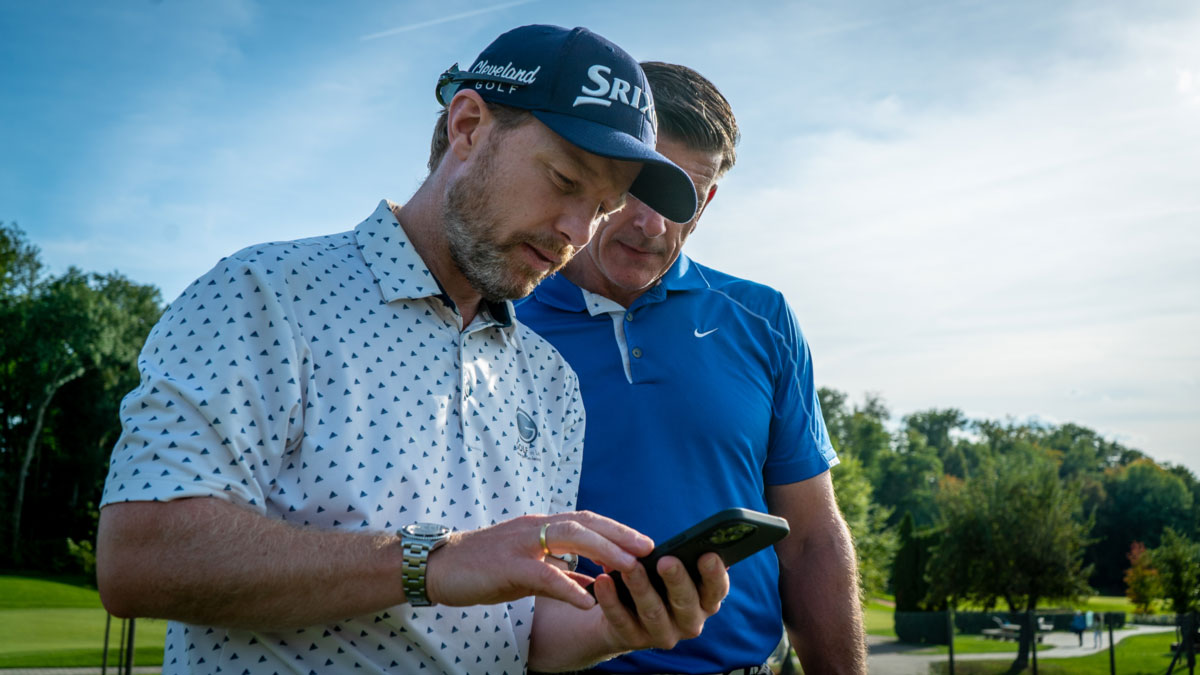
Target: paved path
column 889, row 657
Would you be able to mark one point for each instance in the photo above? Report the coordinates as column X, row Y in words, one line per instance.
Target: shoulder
column 276, row 262
column 750, row 297
column 277, row 255
column 538, row 351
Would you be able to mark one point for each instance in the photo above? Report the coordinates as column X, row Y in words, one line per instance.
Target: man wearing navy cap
column 343, row 450
column 700, row 397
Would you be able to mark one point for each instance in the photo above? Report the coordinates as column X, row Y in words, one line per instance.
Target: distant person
column 335, row 435
column 1098, row 631
column 700, row 396
column 1078, row 625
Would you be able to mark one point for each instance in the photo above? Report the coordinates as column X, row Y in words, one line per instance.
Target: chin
column 635, row 282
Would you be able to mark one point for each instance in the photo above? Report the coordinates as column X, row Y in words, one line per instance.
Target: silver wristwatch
column 418, row 541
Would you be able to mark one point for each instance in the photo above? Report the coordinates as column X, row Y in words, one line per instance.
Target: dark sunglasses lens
column 446, row 89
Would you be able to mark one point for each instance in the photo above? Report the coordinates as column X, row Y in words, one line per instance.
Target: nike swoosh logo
column 698, row 334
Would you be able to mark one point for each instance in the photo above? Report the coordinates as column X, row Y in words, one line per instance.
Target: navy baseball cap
column 587, row 90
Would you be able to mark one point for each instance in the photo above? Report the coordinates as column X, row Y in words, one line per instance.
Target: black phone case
column 734, row 534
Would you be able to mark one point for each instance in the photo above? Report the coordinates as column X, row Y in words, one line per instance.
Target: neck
column 583, row 272
column 421, row 218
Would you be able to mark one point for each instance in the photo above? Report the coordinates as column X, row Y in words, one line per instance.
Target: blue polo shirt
column 709, row 400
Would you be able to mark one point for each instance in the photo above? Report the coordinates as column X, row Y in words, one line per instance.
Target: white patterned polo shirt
column 327, row 382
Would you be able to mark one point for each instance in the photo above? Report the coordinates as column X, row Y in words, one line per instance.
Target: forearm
column 207, row 561
column 821, row 605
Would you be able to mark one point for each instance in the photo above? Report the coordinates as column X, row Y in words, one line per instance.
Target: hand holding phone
column 734, row 534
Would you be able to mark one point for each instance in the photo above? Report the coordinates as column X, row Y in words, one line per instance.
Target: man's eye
column 565, row 184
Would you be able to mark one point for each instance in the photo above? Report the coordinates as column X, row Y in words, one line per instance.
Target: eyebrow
column 575, row 155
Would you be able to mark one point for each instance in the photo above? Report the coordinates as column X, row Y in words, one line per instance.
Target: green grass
column 34, row 592
column 1109, row 603
column 1138, row 655
column 1096, row 603
column 879, row 620
column 977, row 644
column 47, row 622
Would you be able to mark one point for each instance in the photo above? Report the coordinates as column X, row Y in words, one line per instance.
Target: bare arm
column 204, row 560
column 565, row 637
column 819, row 578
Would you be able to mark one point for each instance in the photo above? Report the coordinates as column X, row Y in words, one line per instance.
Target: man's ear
column 467, row 123
column 712, row 193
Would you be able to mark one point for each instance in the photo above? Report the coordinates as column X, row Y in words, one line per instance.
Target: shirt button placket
column 466, row 376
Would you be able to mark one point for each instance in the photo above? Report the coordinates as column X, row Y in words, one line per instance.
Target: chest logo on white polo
column 527, row 432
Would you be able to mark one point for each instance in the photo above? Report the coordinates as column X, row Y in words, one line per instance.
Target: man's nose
column 646, row 220
column 578, row 225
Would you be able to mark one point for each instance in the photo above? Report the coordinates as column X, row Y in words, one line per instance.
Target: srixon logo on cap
column 605, row 92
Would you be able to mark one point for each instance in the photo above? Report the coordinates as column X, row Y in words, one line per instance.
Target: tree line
column 68, row 352
column 985, row 513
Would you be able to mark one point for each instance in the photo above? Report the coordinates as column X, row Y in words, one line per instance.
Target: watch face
column 426, row 530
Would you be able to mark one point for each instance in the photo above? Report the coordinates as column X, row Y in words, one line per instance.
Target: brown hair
column 692, row 110
column 507, row 117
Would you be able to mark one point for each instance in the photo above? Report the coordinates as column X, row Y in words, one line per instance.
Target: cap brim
column 661, row 185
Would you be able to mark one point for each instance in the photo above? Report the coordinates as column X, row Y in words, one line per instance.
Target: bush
column 1154, row 619
column 921, row 627
column 84, row 555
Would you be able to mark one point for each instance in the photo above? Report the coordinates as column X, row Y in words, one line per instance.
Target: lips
column 638, row 250
column 542, row 258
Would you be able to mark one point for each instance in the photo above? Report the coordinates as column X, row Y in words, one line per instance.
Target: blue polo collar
column 557, row 291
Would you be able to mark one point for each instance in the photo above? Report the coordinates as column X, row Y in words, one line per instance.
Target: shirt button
column 637, row 352
column 629, row 316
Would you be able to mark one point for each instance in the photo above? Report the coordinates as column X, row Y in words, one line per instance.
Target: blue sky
column 991, row 206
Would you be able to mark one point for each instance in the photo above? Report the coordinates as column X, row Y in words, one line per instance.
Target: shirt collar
column 399, row 270
column 683, row 276
column 557, row 291
column 598, row 304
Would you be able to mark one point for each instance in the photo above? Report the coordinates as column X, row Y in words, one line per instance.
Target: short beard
column 483, row 260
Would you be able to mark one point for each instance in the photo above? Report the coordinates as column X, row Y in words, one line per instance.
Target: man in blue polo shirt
column 699, row 393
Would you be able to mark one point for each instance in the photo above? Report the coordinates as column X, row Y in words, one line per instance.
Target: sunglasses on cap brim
column 450, row 81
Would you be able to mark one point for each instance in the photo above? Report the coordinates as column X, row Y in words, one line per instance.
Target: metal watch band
column 417, row 542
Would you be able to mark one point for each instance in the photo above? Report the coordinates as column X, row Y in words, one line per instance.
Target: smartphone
column 734, row 534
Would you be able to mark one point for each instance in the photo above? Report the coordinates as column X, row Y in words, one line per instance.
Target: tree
column 1178, row 563
column 908, row 480
column 1193, row 486
column 937, row 428
column 874, row 544
column 20, row 264
column 861, row 431
column 909, row 580
column 1140, row 500
column 57, row 331
column 1141, row 579
column 1015, row 533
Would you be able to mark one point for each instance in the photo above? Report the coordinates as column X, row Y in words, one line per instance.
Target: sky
column 991, row 206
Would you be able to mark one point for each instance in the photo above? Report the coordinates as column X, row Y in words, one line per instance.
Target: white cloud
column 1033, row 248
